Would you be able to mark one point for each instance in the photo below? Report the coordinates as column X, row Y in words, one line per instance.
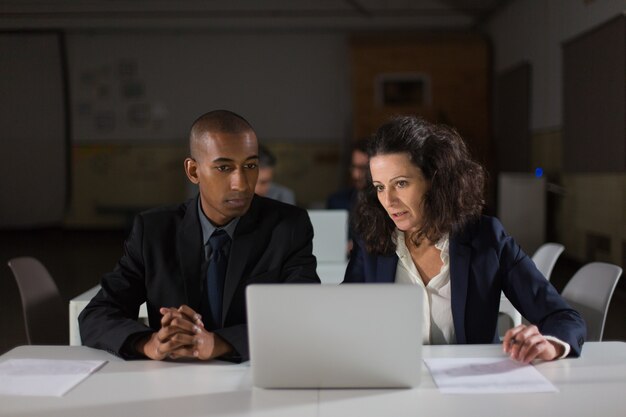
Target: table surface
column 593, row 385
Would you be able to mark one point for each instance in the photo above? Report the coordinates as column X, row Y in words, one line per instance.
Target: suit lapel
column 386, row 268
column 240, row 251
column 190, row 249
column 460, row 253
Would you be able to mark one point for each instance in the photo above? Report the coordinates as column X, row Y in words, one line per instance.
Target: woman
column 419, row 221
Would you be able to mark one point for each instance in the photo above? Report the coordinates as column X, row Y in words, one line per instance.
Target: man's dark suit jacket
column 163, row 265
column 484, row 261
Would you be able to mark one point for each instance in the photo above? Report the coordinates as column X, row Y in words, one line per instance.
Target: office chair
column 589, row 291
column 45, row 314
column 546, row 256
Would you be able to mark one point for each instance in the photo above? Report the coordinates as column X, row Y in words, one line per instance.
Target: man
column 345, row 198
column 265, row 185
column 194, row 288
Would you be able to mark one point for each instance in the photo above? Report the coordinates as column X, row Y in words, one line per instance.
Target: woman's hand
column 525, row 343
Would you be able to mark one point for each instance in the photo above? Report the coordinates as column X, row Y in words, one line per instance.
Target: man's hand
column 182, row 335
column 525, row 343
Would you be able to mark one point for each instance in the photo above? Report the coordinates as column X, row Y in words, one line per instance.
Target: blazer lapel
column 190, row 250
column 240, row 251
column 386, row 268
column 460, row 253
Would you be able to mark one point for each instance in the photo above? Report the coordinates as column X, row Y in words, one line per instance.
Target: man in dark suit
column 169, row 261
column 345, row 199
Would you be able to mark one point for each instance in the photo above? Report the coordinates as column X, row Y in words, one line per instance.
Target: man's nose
column 238, row 181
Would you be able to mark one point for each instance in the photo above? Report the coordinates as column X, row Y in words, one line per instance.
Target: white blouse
column 437, row 323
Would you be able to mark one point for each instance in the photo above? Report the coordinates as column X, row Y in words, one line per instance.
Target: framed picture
column 403, row 90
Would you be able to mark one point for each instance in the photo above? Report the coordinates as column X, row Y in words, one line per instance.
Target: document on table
column 44, row 377
column 486, row 376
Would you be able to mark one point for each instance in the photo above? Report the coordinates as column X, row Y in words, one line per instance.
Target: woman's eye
column 379, row 188
column 401, row 184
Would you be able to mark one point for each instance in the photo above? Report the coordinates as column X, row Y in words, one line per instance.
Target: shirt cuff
column 566, row 346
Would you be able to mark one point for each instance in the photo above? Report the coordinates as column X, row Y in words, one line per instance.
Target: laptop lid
column 327, row 336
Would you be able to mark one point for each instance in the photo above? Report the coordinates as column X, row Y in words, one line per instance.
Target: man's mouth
column 237, row 202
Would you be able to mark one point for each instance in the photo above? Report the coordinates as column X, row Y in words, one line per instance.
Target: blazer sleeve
column 533, row 295
column 299, row 264
column 110, row 318
column 355, row 271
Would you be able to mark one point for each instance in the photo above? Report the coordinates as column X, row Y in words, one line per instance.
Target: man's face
column 266, row 175
column 358, row 169
column 226, row 170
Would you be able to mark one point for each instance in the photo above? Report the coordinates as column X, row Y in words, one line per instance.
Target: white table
column 593, row 385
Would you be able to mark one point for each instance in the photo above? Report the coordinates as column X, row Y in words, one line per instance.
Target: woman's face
column 401, row 187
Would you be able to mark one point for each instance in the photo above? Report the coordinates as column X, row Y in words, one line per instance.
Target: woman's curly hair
column 454, row 198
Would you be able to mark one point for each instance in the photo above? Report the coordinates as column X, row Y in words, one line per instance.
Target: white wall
column 533, row 30
column 290, row 86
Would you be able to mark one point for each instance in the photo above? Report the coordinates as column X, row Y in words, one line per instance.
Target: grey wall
column 151, row 85
column 533, row 30
column 33, row 141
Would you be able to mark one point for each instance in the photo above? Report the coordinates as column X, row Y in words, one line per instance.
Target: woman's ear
column 191, row 169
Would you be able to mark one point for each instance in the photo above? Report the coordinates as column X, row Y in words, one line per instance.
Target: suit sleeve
column 355, row 272
column 535, row 298
column 299, row 265
column 109, row 321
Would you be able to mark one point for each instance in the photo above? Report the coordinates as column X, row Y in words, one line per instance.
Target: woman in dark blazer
column 419, row 222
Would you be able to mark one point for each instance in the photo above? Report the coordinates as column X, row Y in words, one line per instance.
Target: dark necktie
column 216, row 273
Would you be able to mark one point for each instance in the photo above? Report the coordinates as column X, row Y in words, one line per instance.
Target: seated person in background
column 419, row 222
column 191, row 262
column 265, row 187
column 345, row 199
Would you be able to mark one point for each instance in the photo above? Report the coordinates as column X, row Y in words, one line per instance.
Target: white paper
column 43, row 377
column 486, row 376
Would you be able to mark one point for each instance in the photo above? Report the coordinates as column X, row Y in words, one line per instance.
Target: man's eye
column 250, row 166
column 223, row 168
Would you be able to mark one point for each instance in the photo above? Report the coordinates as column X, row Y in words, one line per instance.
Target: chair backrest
column 545, row 257
column 45, row 315
column 330, row 234
column 589, row 291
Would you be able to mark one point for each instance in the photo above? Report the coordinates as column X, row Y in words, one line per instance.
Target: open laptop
column 327, row 336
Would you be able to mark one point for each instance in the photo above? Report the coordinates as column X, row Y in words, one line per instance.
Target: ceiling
column 247, row 14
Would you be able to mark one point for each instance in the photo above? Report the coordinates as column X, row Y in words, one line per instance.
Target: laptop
column 330, row 234
column 335, row 336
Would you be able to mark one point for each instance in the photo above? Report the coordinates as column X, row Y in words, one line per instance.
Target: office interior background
column 96, row 99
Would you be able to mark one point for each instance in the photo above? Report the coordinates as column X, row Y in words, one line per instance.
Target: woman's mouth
column 398, row 215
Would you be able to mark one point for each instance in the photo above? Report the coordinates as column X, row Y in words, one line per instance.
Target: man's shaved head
column 216, row 121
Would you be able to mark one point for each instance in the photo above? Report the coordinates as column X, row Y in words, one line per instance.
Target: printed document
column 486, row 376
column 44, row 377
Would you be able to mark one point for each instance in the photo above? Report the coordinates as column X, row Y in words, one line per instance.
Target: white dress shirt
column 437, row 324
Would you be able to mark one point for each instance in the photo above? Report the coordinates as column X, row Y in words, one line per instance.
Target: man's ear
column 191, row 169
